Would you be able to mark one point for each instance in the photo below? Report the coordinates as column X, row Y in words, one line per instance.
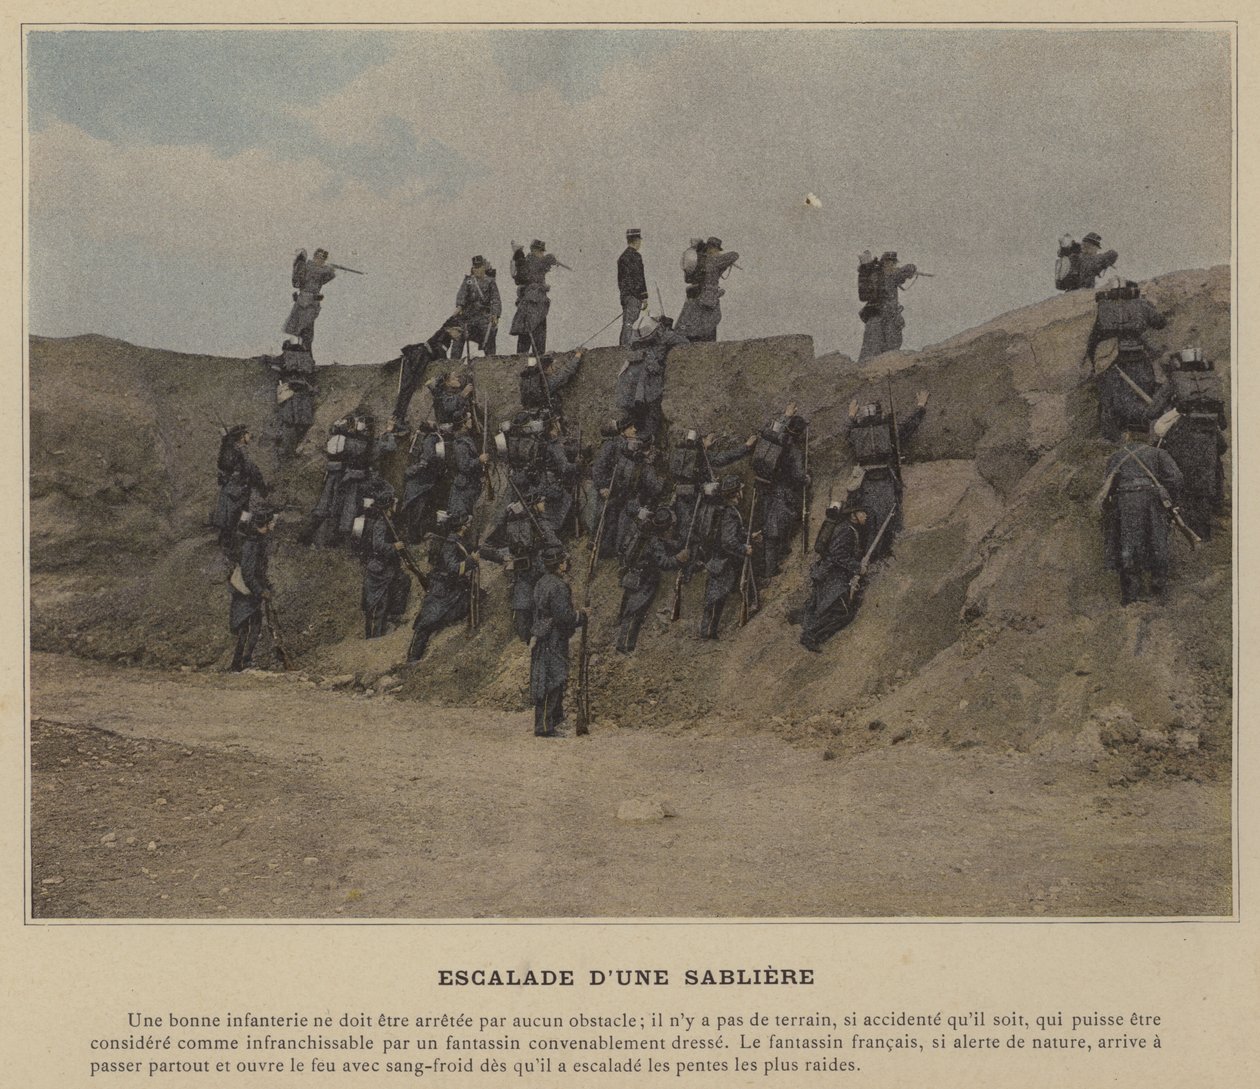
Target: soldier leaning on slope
column 725, row 556
column 347, row 471
column 541, row 381
column 781, row 483
column 529, row 273
column 309, row 278
column 649, row 550
column 467, row 468
column 557, row 474
column 452, row 396
column 386, row 586
column 413, row 363
column 555, row 621
column 250, row 586
column 879, row 488
column 692, row 464
column 883, row 316
column 295, row 397
column 517, row 540
column 1140, row 480
column 631, row 285
column 700, row 316
column 446, row 602
column 834, row 586
column 422, row 480
column 1192, row 419
column 239, row 480
column 639, row 484
column 1123, row 315
column 478, row 307
column 1092, row 262
column 655, row 346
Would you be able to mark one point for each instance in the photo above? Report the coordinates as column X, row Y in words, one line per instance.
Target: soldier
column 529, row 323
column 882, row 314
column 295, row 397
column 386, row 586
column 834, row 576
column 558, row 475
column 779, row 468
column 1192, row 417
column 639, row 485
column 878, row 487
column 1139, row 492
column 347, row 469
column 413, row 362
column 725, row 556
column 239, row 479
column 649, row 550
column 478, row 307
column 309, row 278
column 656, row 347
column 631, row 285
column 555, row 621
column 452, row 397
column 250, row 586
column 517, row 540
column 451, row 566
column 1092, row 262
column 692, row 465
column 607, row 477
column 1127, row 388
column 541, row 381
column 700, row 315
column 467, row 467
column 422, row 480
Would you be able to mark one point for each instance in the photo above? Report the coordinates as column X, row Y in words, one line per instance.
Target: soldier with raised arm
column 309, row 278
column 700, row 316
column 529, row 273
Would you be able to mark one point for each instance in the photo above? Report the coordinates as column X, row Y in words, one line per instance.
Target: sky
column 173, row 174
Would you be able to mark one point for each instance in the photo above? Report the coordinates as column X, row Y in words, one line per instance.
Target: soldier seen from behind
column 877, row 441
column 778, row 462
column 452, row 394
column 631, row 285
column 693, row 463
column 250, row 585
column 239, row 481
column 835, row 589
column 386, row 586
column 725, row 552
column 1127, row 388
column 517, row 539
column 701, row 315
column 649, row 550
column 879, row 285
column 451, row 566
column 478, row 308
column 1190, row 426
column 529, row 273
column 423, row 479
column 295, row 397
column 413, row 363
column 541, row 381
column 309, row 278
column 650, row 389
column 347, row 472
column 1139, row 496
column 1081, row 263
column 554, row 622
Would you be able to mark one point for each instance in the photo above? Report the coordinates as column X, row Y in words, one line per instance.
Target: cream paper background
column 64, row 983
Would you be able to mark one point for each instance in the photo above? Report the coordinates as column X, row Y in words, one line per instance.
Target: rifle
column 577, row 488
column 676, row 609
column 896, row 438
column 1165, row 500
column 561, row 264
column 805, row 502
column 407, row 558
column 659, row 301
column 599, row 528
column 582, row 723
column 277, row 644
column 594, row 335
column 342, row 268
column 856, row 580
column 747, row 579
column 474, row 593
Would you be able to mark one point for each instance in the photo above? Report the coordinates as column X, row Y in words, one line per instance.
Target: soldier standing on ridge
column 529, row 273
column 309, row 278
column 478, row 307
column 632, row 285
column 700, row 316
column 555, row 621
column 1139, row 491
column 834, row 587
column 878, row 285
column 1092, row 262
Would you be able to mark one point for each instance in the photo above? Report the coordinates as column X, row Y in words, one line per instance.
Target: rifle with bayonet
column 599, row 527
column 1171, row 510
column 343, row 268
column 855, row 582
column 749, row 602
column 582, row 723
column 894, row 435
column 273, row 627
column 805, row 502
column 405, row 553
column 676, row 608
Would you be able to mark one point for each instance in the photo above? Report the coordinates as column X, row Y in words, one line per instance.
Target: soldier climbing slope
column 386, row 586
column 649, row 550
column 1138, row 495
column 1127, row 388
column 649, row 389
column 467, row 468
column 835, row 590
column 413, row 363
column 555, row 621
column 422, row 483
column 517, row 540
column 541, row 381
column 877, row 445
column 239, row 480
column 778, row 461
column 725, row 553
column 250, row 585
column 449, row 596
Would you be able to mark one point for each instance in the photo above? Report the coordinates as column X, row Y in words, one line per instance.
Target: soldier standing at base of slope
column 250, row 586
column 555, row 621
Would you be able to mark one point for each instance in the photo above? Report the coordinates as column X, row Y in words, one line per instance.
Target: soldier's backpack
column 822, row 543
column 685, row 464
column 523, row 450
column 872, row 443
column 636, row 542
column 690, row 259
column 1197, row 391
column 871, row 281
column 519, row 533
column 1120, row 315
column 355, row 450
column 708, row 517
column 298, row 363
column 1067, row 269
column 534, row 393
column 768, row 452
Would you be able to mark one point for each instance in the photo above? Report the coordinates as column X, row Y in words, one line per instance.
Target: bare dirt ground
column 197, row 795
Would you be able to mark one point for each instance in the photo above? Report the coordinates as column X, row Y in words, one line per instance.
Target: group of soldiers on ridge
column 659, row 509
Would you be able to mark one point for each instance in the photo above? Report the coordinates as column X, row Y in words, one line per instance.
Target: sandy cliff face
column 994, row 624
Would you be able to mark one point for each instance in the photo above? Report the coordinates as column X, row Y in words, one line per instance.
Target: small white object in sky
column 812, row 201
